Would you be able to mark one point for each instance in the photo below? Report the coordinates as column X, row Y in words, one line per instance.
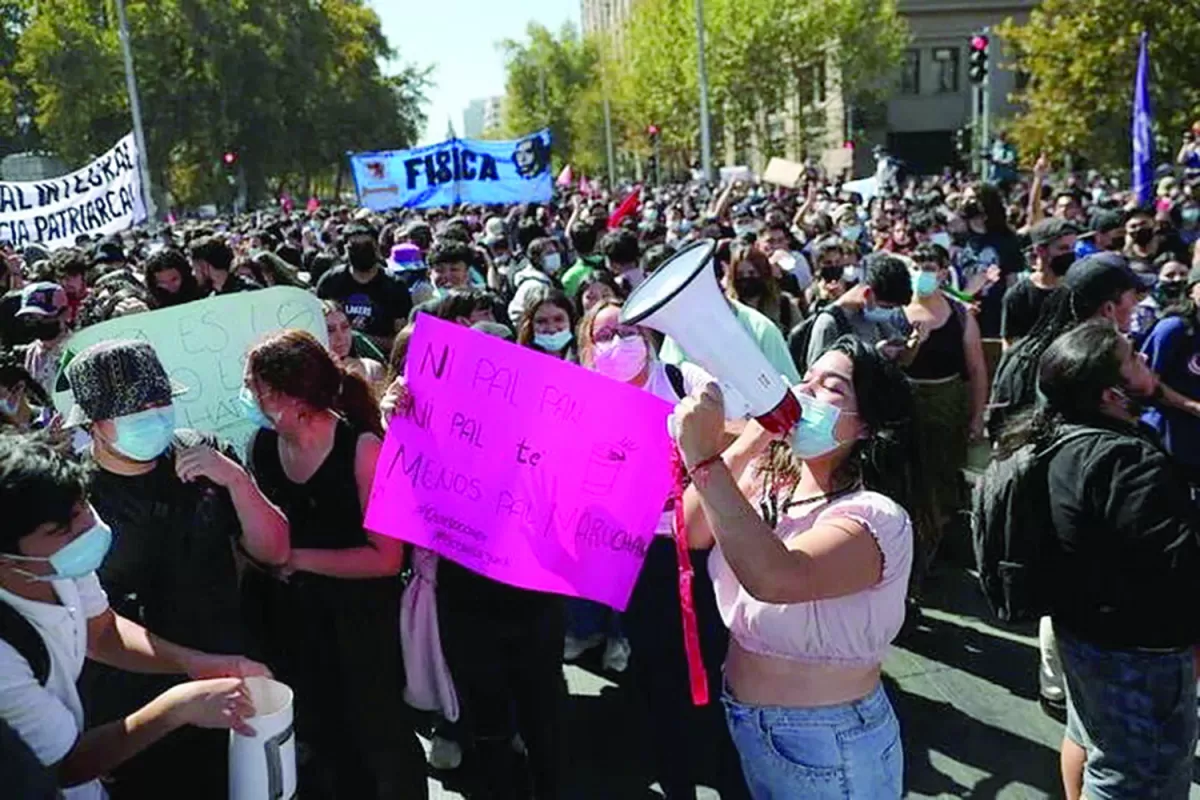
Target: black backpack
column 20, row 634
column 801, row 335
column 1012, row 532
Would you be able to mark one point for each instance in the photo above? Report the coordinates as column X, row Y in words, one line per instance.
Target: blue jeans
column 1134, row 712
column 844, row 752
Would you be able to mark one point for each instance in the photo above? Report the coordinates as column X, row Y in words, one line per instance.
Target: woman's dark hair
column 295, row 364
column 598, row 276
column 101, row 304
column 553, row 297
column 163, row 260
column 39, row 483
column 992, row 201
column 1072, row 373
column 889, row 460
column 399, row 355
column 274, row 271
column 12, row 372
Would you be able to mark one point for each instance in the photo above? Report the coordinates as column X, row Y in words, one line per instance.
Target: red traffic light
column 229, row 158
column 652, row 130
column 979, row 42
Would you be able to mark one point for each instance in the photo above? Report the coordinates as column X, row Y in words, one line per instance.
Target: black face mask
column 1061, row 263
column 1143, row 236
column 750, row 287
column 1167, row 292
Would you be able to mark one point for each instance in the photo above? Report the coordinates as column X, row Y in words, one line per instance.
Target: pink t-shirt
column 854, row 630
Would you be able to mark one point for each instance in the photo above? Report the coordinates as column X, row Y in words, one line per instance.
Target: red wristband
column 699, row 472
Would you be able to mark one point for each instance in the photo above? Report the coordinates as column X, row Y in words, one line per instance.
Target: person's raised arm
column 738, row 457
column 833, row 559
column 382, row 556
column 810, row 201
column 1040, row 168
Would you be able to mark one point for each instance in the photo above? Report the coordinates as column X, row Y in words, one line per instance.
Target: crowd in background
column 918, row 325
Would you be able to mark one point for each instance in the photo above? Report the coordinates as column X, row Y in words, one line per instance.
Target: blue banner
column 456, row 171
column 1142, row 131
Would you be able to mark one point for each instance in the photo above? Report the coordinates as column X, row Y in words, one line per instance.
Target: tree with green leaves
column 765, row 58
column 547, row 75
column 1081, row 59
column 288, row 85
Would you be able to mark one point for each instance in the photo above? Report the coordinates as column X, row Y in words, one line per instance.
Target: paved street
column 965, row 691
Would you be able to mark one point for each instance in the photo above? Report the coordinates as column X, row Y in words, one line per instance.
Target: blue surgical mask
column 941, row 239
column 553, row 342
column 9, row 406
column 814, row 436
column 551, row 263
column 82, row 556
column 144, row 436
column 924, row 283
column 851, row 233
column 253, row 411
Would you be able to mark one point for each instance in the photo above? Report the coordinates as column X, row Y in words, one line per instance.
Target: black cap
column 1050, row 229
column 1104, row 221
column 1100, row 277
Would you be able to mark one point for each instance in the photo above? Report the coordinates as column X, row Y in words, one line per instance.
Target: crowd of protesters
column 147, row 570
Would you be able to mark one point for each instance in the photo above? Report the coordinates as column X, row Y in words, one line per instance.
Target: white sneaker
column 445, row 754
column 573, row 648
column 616, row 655
column 1050, row 674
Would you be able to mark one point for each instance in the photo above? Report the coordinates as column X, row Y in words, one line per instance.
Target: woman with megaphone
column 812, row 548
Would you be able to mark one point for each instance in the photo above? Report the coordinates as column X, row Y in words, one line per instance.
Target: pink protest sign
column 522, row 467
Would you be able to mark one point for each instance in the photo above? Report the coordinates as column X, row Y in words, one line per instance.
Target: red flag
column 628, row 206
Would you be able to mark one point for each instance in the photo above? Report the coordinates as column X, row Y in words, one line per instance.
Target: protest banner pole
column 705, row 131
column 135, row 106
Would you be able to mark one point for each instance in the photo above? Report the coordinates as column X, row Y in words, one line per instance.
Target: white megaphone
column 683, row 300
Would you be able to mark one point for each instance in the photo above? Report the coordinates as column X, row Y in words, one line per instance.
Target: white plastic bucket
column 263, row 766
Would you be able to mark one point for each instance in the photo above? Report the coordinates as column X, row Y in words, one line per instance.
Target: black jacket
column 1129, row 538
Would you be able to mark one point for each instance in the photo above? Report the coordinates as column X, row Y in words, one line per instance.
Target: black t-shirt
column 1022, row 305
column 372, row 307
column 171, row 566
column 236, row 283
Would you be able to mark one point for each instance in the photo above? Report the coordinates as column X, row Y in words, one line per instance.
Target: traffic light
column 230, row 158
column 977, row 62
column 652, row 132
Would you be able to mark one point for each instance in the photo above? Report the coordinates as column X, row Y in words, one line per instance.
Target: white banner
column 103, row 198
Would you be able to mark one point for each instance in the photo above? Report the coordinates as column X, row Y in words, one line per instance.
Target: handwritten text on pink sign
column 524, row 468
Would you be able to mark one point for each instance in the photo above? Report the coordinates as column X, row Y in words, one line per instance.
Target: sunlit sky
column 459, row 38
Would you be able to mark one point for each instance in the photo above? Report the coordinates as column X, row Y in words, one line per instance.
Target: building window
column 910, row 72
column 945, row 59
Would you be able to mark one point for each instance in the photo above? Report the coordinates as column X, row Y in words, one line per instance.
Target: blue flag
column 1143, row 134
column 456, row 171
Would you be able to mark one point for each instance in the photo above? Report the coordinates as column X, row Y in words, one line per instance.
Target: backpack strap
column 675, row 376
column 20, row 634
